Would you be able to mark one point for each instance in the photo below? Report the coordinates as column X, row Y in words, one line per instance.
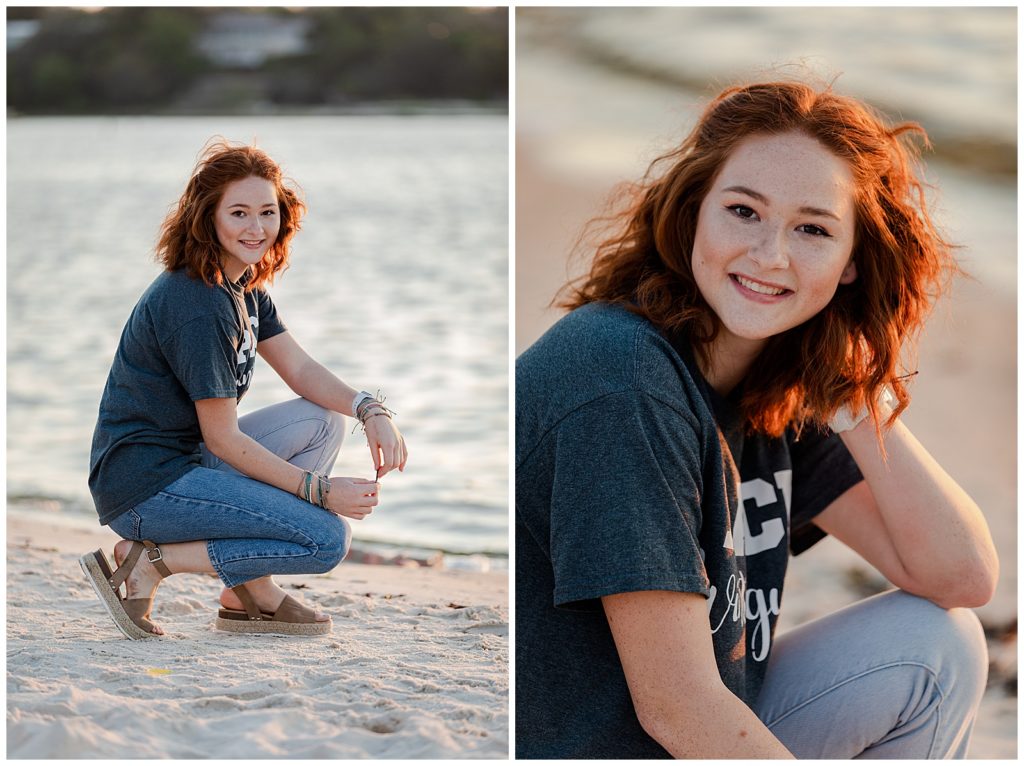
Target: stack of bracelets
column 364, row 406
column 323, row 489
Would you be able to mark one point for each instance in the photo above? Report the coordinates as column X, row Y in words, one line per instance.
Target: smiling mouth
column 759, row 287
column 252, row 242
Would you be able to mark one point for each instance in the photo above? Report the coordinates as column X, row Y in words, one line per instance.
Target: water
column 399, row 280
column 953, row 68
column 600, row 92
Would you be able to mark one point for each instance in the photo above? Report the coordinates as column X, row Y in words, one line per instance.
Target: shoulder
column 178, row 292
column 175, row 299
column 595, row 356
column 602, row 349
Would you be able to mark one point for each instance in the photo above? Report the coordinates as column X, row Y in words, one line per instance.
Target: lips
column 761, row 288
column 252, row 243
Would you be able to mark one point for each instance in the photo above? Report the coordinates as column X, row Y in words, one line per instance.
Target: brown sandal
column 290, row 619
column 131, row 615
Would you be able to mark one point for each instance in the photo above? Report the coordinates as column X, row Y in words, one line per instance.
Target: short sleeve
column 202, row 354
column 270, row 323
column 625, row 504
column 823, row 469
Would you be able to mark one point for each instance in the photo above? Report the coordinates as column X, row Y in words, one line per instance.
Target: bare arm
column 664, row 644
column 913, row 522
column 311, row 380
column 218, row 421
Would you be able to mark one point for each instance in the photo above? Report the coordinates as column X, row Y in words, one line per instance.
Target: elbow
column 221, row 444
column 973, row 586
column 670, row 722
column 981, row 587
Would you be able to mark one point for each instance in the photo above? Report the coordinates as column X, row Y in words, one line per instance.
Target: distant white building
column 246, row 40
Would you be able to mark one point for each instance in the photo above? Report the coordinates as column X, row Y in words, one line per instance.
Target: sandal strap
column 244, row 596
column 121, row 573
column 139, row 610
column 158, row 560
column 292, row 610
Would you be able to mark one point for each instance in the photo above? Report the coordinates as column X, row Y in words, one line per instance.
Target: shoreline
column 416, row 665
column 32, row 508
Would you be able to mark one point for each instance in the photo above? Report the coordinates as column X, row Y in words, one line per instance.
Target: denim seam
column 829, row 690
column 323, row 421
column 217, row 566
column 325, row 425
column 310, row 542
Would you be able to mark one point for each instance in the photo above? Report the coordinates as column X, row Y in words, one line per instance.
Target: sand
column 416, row 667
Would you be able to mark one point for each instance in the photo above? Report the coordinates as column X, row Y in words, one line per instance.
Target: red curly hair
column 848, row 352
column 188, row 238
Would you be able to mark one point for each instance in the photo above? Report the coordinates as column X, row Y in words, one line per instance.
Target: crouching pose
column 189, row 485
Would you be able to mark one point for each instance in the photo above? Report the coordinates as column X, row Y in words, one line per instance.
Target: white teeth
column 757, row 287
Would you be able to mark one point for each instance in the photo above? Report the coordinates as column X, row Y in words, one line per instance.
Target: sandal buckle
column 153, row 559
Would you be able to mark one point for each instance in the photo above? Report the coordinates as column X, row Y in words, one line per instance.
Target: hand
column 387, row 445
column 351, row 497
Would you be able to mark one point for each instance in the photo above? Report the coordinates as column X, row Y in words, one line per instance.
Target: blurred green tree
column 124, row 59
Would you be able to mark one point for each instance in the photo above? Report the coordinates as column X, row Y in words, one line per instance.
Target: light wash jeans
column 892, row 676
column 252, row 529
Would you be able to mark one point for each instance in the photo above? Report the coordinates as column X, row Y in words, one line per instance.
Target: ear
column 849, row 274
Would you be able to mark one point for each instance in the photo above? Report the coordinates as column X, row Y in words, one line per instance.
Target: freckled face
column 774, row 237
column 247, row 220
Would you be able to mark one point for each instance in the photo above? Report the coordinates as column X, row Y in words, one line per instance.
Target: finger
column 375, row 454
column 405, row 455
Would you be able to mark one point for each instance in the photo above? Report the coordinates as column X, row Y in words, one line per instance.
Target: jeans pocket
column 128, row 525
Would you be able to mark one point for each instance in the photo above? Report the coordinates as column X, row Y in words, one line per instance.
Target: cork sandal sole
column 239, row 622
column 290, row 619
column 97, row 570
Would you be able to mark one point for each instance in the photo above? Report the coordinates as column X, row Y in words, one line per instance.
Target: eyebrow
column 242, row 204
column 764, row 200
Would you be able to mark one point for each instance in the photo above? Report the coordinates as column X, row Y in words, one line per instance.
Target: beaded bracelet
column 370, row 407
column 323, row 489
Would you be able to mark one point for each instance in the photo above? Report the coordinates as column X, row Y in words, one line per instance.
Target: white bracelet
column 359, row 400
column 845, row 420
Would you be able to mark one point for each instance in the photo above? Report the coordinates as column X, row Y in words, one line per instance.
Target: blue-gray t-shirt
column 184, row 341
column 633, row 474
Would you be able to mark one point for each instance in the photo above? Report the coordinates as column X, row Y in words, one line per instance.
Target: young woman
column 174, row 470
column 726, row 389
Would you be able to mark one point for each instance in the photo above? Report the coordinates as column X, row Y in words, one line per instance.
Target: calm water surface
column 399, row 280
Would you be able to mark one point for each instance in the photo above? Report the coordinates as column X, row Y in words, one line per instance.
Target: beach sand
column 416, row 666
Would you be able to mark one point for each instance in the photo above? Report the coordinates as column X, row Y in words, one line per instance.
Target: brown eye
column 810, row 228
column 742, row 211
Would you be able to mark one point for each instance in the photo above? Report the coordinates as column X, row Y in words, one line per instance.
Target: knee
column 335, row 426
column 333, row 422
column 958, row 641
column 966, row 637
column 334, row 546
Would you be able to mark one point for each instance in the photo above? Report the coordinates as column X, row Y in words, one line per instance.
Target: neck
column 729, row 361
column 233, row 272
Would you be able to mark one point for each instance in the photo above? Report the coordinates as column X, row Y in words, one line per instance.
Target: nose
column 254, row 225
column 771, row 252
